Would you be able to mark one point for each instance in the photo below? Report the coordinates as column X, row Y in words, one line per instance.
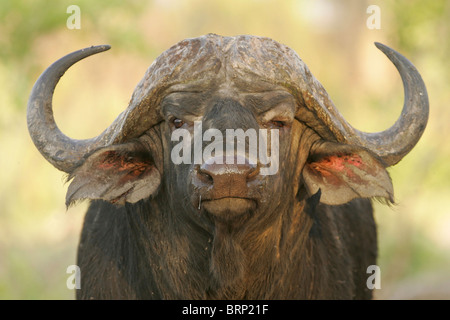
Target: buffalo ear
column 344, row 172
column 119, row 174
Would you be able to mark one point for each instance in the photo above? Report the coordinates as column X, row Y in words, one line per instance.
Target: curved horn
column 61, row 151
column 394, row 143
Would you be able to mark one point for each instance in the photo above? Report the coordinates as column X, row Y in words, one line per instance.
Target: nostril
column 204, row 175
column 210, row 171
column 253, row 171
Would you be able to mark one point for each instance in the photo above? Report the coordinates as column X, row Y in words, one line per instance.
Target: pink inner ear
column 337, row 164
column 108, row 160
column 123, row 163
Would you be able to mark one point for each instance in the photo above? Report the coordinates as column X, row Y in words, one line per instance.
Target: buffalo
column 222, row 225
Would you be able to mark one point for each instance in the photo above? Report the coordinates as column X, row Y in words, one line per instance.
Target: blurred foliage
column 24, row 22
column 39, row 236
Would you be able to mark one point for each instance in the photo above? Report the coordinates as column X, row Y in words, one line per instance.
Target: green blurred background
column 38, row 236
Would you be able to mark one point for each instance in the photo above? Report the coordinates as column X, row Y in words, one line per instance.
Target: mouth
column 229, row 208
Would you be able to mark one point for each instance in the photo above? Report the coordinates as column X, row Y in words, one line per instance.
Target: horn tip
column 381, row 46
column 101, row 48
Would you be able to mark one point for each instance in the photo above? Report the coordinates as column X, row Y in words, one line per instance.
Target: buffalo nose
column 237, row 170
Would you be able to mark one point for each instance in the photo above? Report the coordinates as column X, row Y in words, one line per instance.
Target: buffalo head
column 199, row 90
column 228, row 83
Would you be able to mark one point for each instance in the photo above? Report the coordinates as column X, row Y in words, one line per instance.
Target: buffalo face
column 229, row 187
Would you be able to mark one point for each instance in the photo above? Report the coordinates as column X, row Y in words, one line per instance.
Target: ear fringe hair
column 390, row 202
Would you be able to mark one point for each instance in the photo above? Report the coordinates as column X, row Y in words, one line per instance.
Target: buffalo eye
column 177, row 123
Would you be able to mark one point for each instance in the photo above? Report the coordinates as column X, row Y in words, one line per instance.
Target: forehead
column 258, row 96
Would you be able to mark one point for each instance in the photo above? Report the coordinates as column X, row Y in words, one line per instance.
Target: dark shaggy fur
column 326, row 258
